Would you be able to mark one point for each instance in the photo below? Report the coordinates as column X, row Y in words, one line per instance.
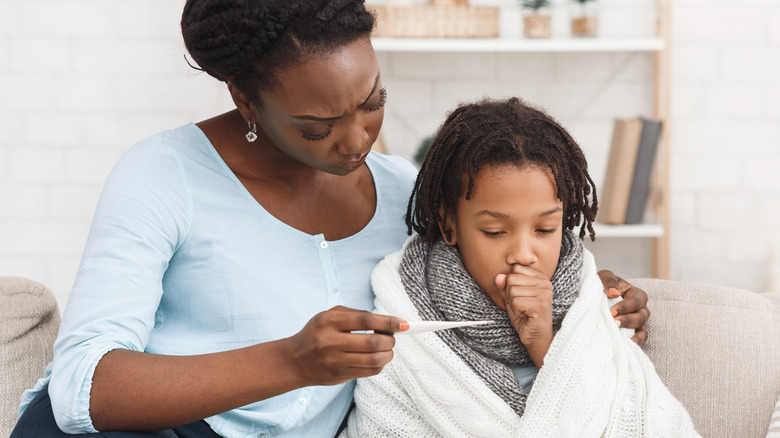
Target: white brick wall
column 726, row 140
column 81, row 80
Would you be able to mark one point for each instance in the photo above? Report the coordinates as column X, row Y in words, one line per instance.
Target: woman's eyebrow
column 373, row 89
column 330, row 119
column 317, row 119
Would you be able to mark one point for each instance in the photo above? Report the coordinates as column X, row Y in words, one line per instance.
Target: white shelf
column 623, row 231
column 657, row 45
column 518, row 44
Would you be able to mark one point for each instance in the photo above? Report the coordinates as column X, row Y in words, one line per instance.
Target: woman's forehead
column 327, row 82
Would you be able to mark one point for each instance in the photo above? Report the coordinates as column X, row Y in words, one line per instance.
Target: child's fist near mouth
column 527, row 298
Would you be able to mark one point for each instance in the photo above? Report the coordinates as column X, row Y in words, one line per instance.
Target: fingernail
column 617, row 321
column 404, row 326
column 614, row 313
column 613, row 293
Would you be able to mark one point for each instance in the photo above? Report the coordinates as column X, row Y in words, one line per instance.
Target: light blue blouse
column 182, row 260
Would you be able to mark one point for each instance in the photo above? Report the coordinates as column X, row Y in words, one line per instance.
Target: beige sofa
column 716, row 348
column 29, row 320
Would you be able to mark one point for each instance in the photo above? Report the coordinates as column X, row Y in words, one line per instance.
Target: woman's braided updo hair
column 248, row 41
column 496, row 133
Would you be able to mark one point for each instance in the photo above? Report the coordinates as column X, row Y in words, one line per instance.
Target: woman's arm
column 632, row 312
column 102, row 378
column 139, row 391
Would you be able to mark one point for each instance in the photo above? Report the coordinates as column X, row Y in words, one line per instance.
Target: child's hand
column 528, row 297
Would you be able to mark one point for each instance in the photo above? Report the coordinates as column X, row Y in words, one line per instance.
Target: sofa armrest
column 29, row 321
column 717, row 349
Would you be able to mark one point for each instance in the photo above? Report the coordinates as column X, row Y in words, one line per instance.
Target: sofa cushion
column 29, row 321
column 717, row 350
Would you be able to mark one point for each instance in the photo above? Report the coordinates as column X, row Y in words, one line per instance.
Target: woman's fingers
column 351, row 320
column 632, row 312
column 640, row 336
column 634, row 320
column 611, row 283
column 339, row 344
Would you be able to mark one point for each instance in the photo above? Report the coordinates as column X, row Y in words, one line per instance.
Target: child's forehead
column 489, row 171
column 507, row 178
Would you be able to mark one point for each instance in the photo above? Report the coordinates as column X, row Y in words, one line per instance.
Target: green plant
column 535, row 5
column 583, row 4
column 422, row 149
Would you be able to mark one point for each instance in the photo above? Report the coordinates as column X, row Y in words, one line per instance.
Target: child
column 494, row 206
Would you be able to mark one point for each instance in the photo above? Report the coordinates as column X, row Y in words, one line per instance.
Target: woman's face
column 513, row 217
column 327, row 111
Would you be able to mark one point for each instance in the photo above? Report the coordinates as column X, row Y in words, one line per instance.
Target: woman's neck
column 299, row 195
column 258, row 161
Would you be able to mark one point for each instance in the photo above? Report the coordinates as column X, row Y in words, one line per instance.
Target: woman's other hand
column 632, row 312
column 327, row 352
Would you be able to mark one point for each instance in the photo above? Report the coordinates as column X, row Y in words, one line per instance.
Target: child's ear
column 447, row 229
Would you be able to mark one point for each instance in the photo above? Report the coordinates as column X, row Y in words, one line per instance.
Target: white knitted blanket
column 595, row 381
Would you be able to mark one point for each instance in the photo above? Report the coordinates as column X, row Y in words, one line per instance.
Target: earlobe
column 447, row 229
column 449, row 237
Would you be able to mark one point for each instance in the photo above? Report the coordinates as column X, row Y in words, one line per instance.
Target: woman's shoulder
column 392, row 166
column 165, row 162
column 171, row 139
column 167, row 149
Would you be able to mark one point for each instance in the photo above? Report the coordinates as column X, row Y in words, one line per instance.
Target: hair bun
column 226, row 37
column 248, row 41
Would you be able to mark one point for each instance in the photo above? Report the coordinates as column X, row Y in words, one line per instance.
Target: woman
column 221, row 253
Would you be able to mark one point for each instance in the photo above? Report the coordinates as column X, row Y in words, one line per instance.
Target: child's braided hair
column 494, row 133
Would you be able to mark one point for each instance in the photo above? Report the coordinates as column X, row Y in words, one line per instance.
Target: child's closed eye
column 492, row 233
column 546, row 230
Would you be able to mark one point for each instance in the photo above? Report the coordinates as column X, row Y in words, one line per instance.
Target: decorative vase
column 584, row 19
column 448, row 2
column 537, row 25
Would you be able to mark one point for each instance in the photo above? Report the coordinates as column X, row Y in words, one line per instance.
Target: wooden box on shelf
column 436, row 21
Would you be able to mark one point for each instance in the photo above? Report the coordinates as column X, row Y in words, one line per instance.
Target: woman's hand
column 326, row 352
column 528, row 296
column 132, row 390
column 632, row 312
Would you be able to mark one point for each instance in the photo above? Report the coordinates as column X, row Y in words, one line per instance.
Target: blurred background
column 82, row 80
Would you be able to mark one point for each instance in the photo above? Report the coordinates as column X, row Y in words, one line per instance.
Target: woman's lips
column 352, row 165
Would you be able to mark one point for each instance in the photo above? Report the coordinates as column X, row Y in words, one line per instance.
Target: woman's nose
column 355, row 139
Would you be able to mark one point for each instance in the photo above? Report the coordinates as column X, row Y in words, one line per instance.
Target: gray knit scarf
column 440, row 288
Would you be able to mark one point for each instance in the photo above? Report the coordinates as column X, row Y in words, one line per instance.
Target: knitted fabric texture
column 440, row 288
column 595, row 381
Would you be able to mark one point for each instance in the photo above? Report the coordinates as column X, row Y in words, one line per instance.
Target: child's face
column 513, row 217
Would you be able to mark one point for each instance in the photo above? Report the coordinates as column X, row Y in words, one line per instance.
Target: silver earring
column 252, row 134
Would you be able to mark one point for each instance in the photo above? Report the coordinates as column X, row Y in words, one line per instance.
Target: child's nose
column 521, row 252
